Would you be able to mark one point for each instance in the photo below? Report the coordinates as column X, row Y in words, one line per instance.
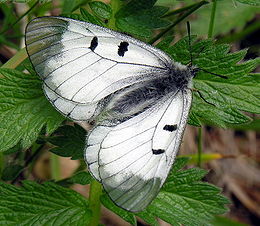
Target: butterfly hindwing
column 133, row 159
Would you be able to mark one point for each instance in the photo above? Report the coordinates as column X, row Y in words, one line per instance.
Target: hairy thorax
column 135, row 99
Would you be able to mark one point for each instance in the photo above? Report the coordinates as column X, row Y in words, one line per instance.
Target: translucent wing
column 81, row 63
column 133, row 159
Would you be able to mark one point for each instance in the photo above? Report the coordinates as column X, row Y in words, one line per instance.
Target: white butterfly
column 138, row 97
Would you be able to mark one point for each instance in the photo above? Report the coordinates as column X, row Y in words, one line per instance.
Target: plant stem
column 17, row 59
column 31, row 159
column 199, row 146
column 180, row 10
column 94, row 202
column 240, row 35
column 55, row 167
column 197, row 6
column 212, row 19
column 1, row 163
column 21, row 17
column 115, row 5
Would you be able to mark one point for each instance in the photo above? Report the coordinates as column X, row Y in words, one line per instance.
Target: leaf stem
column 212, row 19
column 32, row 158
column 1, row 163
column 240, row 35
column 197, row 6
column 17, row 59
column 115, row 5
column 55, row 167
column 199, row 146
column 94, row 202
column 180, row 10
column 21, row 17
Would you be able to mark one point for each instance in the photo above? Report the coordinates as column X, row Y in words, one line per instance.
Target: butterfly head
column 183, row 75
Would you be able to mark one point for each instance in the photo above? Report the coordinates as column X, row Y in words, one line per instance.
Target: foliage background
column 231, row 154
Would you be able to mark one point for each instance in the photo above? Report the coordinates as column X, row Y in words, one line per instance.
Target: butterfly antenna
column 201, row 96
column 191, row 58
column 189, row 39
column 221, row 76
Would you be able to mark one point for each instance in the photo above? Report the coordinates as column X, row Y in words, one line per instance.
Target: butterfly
column 138, row 97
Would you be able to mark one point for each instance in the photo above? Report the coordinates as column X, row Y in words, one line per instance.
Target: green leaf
column 101, row 9
column 250, row 2
column 4, row 41
column 12, row 150
column 46, row 204
column 228, row 97
column 253, row 125
column 148, row 217
column 24, row 110
column 69, row 6
column 70, row 141
column 229, row 15
column 185, row 201
column 127, row 216
column 10, row 172
column 224, row 221
column 141, row 17
column 90, row 18
column 82, row 178
column 134, row 6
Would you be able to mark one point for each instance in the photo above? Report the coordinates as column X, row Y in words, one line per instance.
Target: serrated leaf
column 250, row 2
column 45, row 204
column 190, row 204
column 134, row 29
column 70, row 141
column 227, row 97
column 74, row 16
column 134, row 6
column 253, row 125
column 90, row 18
column 101, row 9
column 224, row 221
column 184, row 177
column 82, row 178
column 141, row 17
column 69, row 6
column 12, row 150
column 24, row 110
column 184, row 200
column 149, row 18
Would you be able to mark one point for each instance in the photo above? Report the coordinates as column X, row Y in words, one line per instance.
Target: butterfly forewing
column 82, row 63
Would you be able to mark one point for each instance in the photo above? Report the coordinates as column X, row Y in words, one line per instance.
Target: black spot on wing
column 94, row 43
column 170, row 128
column 122, row 48
column 158, row 151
